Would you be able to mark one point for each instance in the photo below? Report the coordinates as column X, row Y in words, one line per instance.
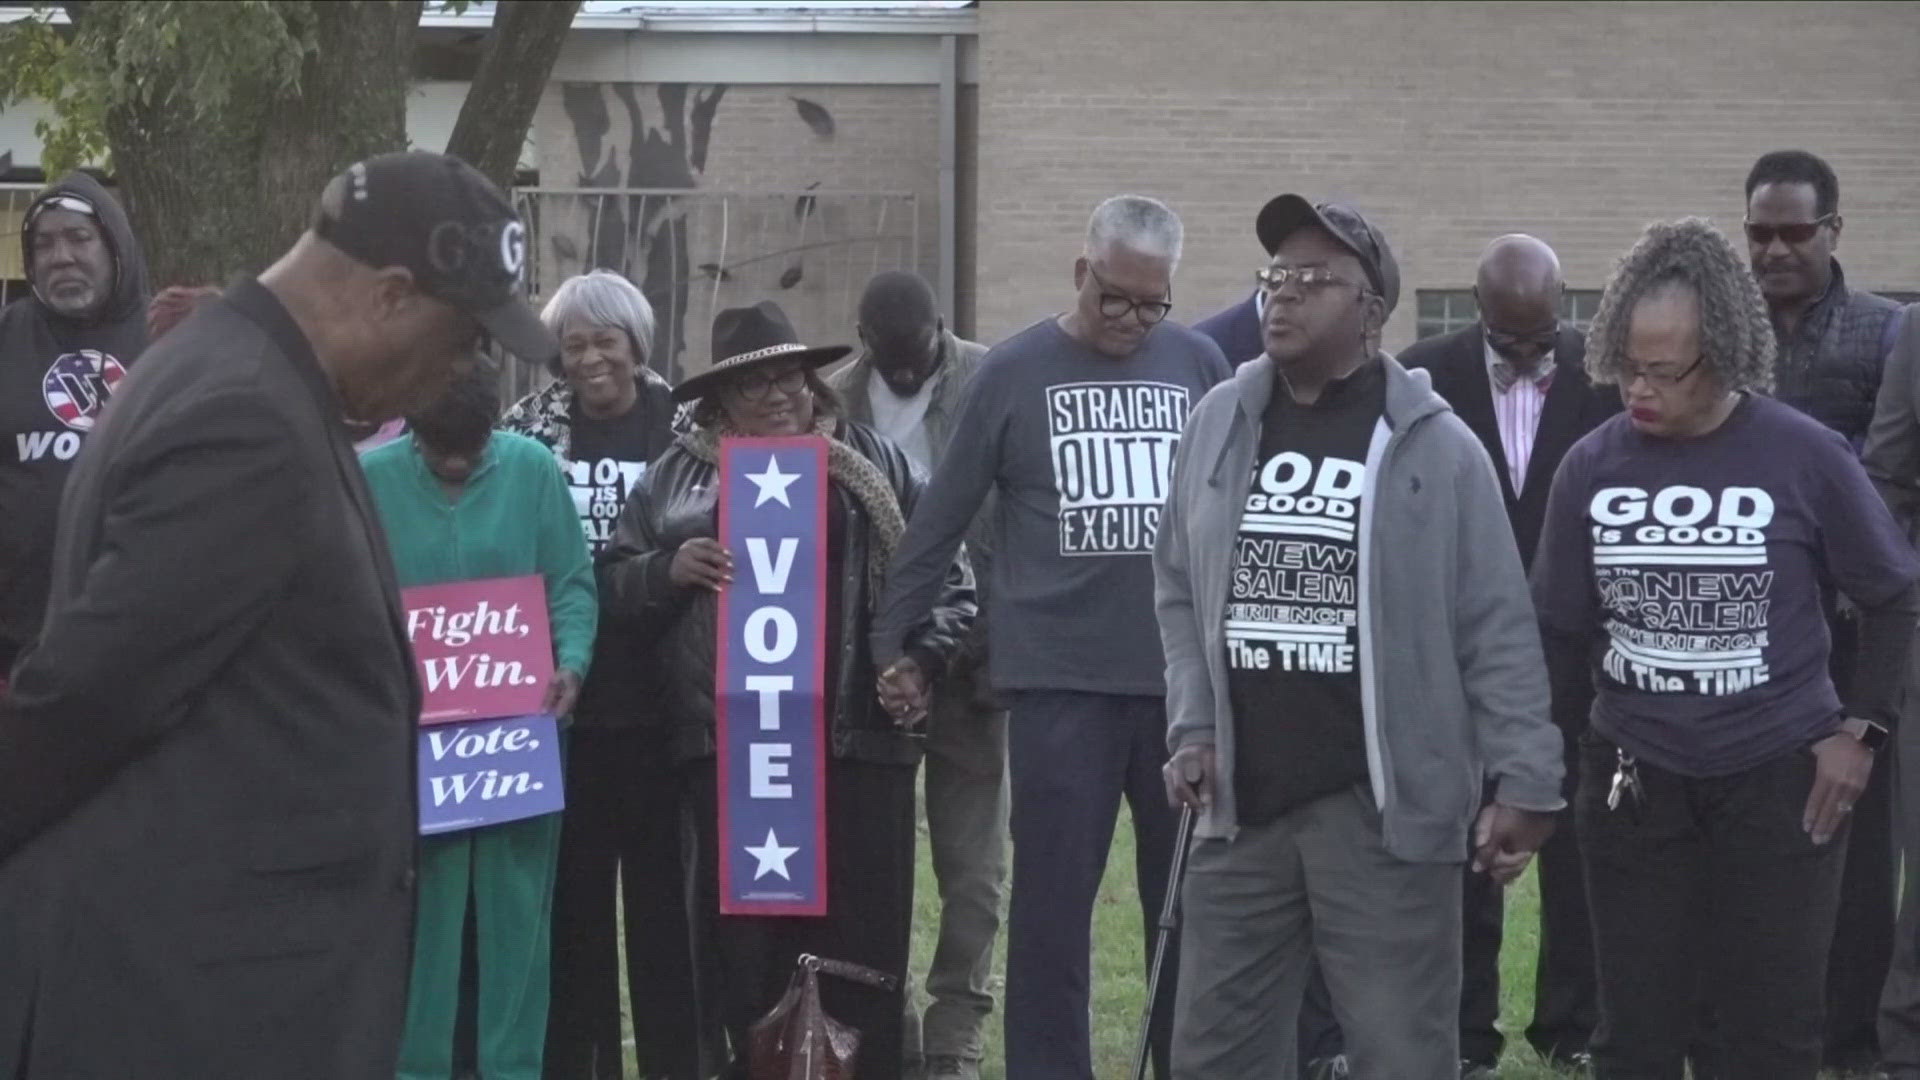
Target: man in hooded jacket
column 63, row 347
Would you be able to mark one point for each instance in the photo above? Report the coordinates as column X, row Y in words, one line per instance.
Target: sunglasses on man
column 1796, row 233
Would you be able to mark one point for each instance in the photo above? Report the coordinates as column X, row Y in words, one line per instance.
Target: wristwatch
column 1870, row 735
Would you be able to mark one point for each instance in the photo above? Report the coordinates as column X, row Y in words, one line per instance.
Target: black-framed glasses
column 1659, row 380
column 1115, row 305
column 1274, row 278
column 1797, row 233
column 756, row 385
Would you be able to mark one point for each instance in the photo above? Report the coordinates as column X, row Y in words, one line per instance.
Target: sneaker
column 952, row 1067
column 1329, row 1068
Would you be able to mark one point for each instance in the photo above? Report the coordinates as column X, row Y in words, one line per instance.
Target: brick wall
column 1447, row 123
column 885, row 139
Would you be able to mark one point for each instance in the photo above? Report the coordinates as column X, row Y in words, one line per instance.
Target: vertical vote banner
column 484, row 652
column 770, row 677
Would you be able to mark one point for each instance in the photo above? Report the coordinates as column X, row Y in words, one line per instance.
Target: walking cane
column 1168, row 922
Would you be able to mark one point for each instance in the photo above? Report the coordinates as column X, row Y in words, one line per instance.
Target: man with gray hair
column 1072, row 424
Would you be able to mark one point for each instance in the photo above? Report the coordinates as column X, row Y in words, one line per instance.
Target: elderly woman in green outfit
column 462, row 502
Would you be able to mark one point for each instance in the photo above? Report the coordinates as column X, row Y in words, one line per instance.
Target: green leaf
column 203, row 59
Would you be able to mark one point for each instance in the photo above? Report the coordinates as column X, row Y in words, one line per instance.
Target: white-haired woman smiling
column 1686, row 548
column 606, row 417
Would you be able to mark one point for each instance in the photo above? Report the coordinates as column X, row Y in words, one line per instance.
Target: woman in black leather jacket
column 664, row 574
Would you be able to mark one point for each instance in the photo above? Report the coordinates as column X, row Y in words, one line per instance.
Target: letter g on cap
column 513, row 248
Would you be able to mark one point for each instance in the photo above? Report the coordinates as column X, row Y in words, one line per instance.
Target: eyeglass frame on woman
column 791, row 383
column 1139, row 309
column 1763, row 234
column 1272, row 279
column 1659, row 380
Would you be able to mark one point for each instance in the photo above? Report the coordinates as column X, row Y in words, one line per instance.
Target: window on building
column 1577, row 306
column 1442, row 311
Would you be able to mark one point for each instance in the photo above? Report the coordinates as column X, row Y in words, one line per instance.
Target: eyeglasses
column 1115, row 305
column 1538, row 343
column 1274, row 278
column 1659, row 380
column 754, row 386
column 1797, row 233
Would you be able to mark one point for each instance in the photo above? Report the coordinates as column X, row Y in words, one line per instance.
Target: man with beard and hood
column 62, row 349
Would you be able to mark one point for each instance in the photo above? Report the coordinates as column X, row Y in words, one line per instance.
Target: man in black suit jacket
column 207, row 808
column 1237, row 330
column 1516, row 378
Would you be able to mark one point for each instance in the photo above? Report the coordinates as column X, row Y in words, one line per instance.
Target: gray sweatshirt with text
column 1078, row 447
column 1454, row 687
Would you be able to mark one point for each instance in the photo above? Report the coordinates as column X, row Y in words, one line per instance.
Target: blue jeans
column 1073, row 756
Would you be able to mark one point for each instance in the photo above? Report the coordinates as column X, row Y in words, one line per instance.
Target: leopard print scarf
column 851, row 470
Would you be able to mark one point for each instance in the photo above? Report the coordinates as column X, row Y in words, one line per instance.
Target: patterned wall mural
column 629, row 188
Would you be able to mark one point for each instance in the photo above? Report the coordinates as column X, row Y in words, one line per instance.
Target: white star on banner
column 773, row 483
column 772, row 858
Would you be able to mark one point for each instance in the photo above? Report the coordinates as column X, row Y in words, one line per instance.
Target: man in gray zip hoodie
column 1350, row 651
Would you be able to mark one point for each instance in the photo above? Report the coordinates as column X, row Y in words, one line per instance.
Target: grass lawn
column 1119, row 980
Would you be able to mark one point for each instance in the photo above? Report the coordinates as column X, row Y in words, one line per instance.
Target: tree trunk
column 225, row 195
column 526, row 40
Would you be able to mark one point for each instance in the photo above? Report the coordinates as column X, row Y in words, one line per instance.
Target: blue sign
column 485, row 772
column 771, row 678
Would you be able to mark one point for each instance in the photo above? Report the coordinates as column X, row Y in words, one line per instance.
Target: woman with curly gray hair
column 1682, row 564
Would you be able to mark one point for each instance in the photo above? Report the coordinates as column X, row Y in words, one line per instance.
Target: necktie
column 1505, row 374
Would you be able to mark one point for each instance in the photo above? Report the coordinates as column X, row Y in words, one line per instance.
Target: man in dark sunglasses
column 1832, row 339
column 1833, row 343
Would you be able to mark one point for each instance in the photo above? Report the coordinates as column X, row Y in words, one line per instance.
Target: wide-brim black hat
column 1284, row 214
column 746, row 337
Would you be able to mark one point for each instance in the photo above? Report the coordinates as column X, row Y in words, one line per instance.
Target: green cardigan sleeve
column 572, row 604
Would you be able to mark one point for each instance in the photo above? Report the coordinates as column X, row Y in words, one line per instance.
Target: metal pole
column 949, row 165
column 1169, row 921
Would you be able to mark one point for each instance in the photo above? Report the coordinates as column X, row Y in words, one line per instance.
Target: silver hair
column 1736, row 335
column 603, row 298
column 1137, row 223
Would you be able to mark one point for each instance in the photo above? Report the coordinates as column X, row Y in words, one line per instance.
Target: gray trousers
column 1900, row 1001
column 966, row 799
column 1317, row 884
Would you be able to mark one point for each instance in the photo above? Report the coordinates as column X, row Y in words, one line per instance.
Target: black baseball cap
column 1284, row 214
column 451, row 227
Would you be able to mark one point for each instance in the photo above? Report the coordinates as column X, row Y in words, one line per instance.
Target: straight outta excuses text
column 1112, row 447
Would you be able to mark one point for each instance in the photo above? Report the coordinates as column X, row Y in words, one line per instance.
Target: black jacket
column 1574, row 406
column 51, row 395
column 1237, row 331
column 676, row 502
column 1458, row 364
column 207, row 811
column 1830, row 366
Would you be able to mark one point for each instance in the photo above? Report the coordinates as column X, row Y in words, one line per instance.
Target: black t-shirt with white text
column 609, row 457
column 1293, row 632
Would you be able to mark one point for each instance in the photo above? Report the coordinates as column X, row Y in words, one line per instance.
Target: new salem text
column 770, row 678
column 1683, row 576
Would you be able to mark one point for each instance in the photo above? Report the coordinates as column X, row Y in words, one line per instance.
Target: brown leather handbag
column 797, row 1040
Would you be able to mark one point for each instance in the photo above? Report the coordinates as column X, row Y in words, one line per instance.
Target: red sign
column 483, row 647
